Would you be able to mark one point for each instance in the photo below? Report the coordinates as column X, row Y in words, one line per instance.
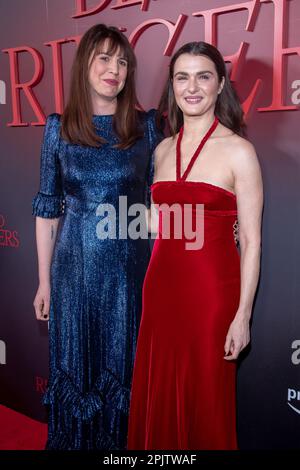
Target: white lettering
column 175, row 219
column 296, row 95
column 106, row 227
column 296, row 354
column 2, row 92
column 137, row 227
column 293, row 394
column 2, row 352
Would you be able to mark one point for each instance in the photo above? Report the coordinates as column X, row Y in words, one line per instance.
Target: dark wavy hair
column 77, row 124
column 228, row 108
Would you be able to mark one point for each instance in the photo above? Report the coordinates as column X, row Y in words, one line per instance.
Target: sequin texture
column 96, row 285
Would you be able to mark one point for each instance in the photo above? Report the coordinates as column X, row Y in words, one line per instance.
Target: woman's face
column 196, row 84
column 107, row 73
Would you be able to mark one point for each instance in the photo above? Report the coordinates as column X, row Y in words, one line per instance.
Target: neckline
column 196, row 153
column 211, row 185
column 103, row 115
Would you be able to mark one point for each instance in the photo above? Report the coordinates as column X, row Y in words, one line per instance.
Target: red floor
column 18, row 432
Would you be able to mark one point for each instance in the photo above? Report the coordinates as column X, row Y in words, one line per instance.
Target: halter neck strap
column 194, row 157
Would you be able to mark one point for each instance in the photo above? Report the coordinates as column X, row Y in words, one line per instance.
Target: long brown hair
column 77, row 123
column 228, row 108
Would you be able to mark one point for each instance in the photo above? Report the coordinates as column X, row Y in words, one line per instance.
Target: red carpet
column 18, row 432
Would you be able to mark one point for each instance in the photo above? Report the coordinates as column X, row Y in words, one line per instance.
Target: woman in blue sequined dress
column 90, row 286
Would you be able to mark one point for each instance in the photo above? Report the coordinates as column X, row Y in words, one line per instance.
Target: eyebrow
column 107, row 53
column 186, row 74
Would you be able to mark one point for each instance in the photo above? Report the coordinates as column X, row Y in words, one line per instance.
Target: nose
column 192, row 85
column 114, row 66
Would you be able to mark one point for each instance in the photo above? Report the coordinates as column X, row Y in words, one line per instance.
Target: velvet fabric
column 183, row 393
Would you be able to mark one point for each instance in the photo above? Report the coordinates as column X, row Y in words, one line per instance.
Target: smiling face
column 107, row 73
column 196, row 84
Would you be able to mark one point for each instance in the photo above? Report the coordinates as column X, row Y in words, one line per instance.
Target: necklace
column 198, row 150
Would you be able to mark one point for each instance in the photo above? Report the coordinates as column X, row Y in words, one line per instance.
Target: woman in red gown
column 198, row 293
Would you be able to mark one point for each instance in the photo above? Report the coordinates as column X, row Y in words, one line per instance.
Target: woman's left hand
column 237, row 338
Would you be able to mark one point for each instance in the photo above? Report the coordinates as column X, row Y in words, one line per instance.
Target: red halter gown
column 183, row 391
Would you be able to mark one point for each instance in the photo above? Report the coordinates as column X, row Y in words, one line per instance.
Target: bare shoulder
column 245, row 165
column 242, row 152
column 233, row 144
column 243, row 147
column 163, row 148
column 164, row 145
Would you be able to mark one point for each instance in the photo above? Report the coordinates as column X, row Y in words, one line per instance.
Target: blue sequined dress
column 96, row 284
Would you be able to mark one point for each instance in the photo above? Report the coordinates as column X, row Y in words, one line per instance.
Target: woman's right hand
column 41, row 302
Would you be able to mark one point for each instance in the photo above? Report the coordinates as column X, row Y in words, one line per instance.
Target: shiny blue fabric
column 96, row 285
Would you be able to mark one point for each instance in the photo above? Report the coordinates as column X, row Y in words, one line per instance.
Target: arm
column 46, row 231
column 160, row 172
column 152, row 219
column 152, row 213
column 249, row 192
column 155, row 136
column 48, row 206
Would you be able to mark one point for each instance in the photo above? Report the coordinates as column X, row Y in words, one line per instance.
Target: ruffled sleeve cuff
column 48, row 207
